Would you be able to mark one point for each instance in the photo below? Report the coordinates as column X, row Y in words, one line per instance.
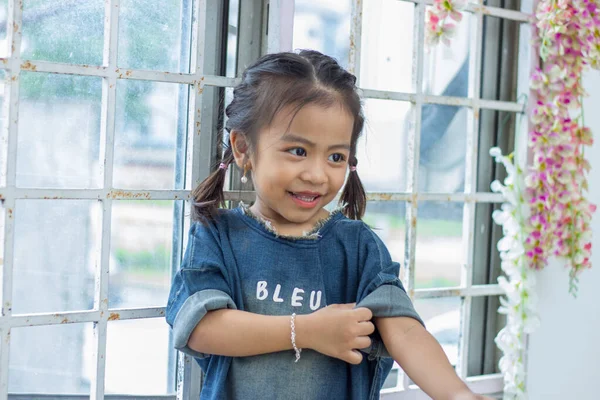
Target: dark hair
column 270, row 84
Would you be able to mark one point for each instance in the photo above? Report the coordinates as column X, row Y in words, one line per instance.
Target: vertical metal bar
column 107, row 131
column 206, row 50
column 205, row 59
column 470, row 188
column 180, row 169
column 280, row 25
column 9, row 205
column 13, row 38
column 355, row 39
column 249, row 34
column 414, row 147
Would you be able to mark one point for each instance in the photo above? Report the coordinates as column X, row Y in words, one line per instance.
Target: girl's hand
column 336, row 331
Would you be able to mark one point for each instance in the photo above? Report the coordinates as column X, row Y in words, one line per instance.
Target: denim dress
column 238, row 261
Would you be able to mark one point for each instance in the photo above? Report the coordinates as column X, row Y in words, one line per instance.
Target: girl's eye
column 337, row 158
column 297, row 151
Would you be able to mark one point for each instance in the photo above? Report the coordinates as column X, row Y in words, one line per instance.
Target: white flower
column 496, row 186
column 520, row 301
column 495, row 152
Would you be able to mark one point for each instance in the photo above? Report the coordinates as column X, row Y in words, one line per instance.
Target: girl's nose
column 315, row 174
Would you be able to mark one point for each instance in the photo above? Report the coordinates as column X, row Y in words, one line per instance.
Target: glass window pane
column 442, row 317
column 496, row 129
column 443, row 148
column 446, row 69
column 232, row 38
column 63, row 31
column 3, row 22
column 387, row 45
column 382, row 151
column 66, row 237
column 500, row 59
column 150, row 130
column 140, row 346
column 141, row 248
column 155, row 35
column 439, row 250
column 59, row 131
column 485, row 324
column 50, row 359
column 323, row 26
column 386, row 218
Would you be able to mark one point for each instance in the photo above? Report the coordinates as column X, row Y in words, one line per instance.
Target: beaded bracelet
column 293, row 325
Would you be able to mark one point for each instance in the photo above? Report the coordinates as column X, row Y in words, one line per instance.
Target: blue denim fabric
column 237, row 262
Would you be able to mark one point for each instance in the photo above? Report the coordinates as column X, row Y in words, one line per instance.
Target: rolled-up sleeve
column 380, row 289
column 201, row 285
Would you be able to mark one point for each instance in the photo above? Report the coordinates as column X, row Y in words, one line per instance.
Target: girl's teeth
column 304, row 198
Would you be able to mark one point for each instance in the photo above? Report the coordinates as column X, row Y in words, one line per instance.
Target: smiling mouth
column 305, row 197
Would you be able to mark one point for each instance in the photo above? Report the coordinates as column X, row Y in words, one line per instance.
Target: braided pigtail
column 353, row 195
column 208, row 195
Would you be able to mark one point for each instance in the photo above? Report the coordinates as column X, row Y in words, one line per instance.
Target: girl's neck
column 288, row 228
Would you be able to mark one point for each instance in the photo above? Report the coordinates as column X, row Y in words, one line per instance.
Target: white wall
column 564, row 360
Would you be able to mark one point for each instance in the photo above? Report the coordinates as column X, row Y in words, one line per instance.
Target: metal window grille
column 206, row 83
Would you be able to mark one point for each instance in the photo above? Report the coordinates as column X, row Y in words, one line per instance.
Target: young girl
column 283, row 299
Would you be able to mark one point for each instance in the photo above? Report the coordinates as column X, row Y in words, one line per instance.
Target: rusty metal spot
column 386, row 196
column 64, row 321
column 29, row 66
column 114, row 317
column 482, row 9
column 113, row 194
column 413, row 222
column 15, row 27
column 10, row 212
column 127, row 73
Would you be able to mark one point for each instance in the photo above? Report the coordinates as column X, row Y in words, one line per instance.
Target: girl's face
column 299, row 168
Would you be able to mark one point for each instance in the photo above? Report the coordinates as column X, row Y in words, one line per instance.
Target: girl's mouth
column 305, row 200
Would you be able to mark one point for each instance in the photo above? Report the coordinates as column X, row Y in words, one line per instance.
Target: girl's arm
column 423, row 359
column 336, row 330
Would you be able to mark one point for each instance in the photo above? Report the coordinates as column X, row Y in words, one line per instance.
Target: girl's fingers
column 353, row 357
column 362, row 342
column 366, row 328
column 363, row 314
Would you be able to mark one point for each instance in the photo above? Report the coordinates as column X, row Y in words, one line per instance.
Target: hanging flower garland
column 437, row 26
column 519, row 305
column 568, row 42
column 545, row 213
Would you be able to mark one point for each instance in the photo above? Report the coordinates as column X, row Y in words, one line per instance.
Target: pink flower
column 449, row 8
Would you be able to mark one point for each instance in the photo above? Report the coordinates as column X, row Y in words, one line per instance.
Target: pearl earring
column 244, row 179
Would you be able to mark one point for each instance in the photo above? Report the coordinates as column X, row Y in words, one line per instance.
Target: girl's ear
column 239, row 146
